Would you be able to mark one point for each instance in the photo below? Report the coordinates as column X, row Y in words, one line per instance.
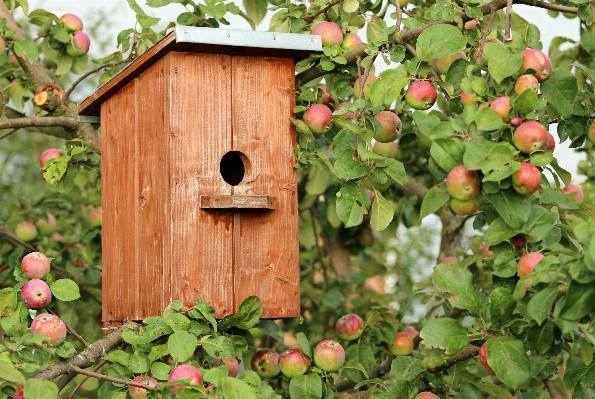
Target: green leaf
column 560, row 90
column 351, row 201
column 541, row 221
column 350, row 6
column 271, row 329
column 255, row 9
column 542, row 368
column 249, row 313
column 65, row 290
column 395, row 170
column 304, row 344
column 406, row 368
column 181, row 345
column 513, row 208
column 502, row 304
column 487, row 119
column 580, row 301
column 447, row 153
column 9, row 373
column 218, row 347
column 579, row 377
column 502, row 63
column 56, row 168
column 40, row 389
column 161, row 3
column 362, row 354
column 426, row 123
column 307, row 386
column 475, row 152
column 446, row 334
column 439, row 41
column 540, row 304
column 8, row 301
column 436, row 198
column 505, row 264
column 457, row 281
column 216, row 375
column 139, row 363
column 160, row 371
column 350, row 168
column 26, row 49
column 387, row 89
column 589, row 73
column 382, row 212
column 118, row 356
column 525, row 103
column 494, row 390
column 233, row 388
column 508, row 358
column 499, row 163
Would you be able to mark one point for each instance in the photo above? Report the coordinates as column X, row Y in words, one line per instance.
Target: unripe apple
column 366, row 236
column 483, row 358
column 576, row 192
column 79, row 45
column 526, row 82
column 265, row 362
column 591, row 132
column 46, row 226
column 95, row 216
column 49, row 154
column 351, row 41
column 484, row 250
column 26, row 231
column 347, row 115
column 527, row 263
column 468, row 99
column 184, row 372
column 537, row 60
column 421, row 95
column 330, row 33
column 349, row 327
column 390, row 150
column 51, row 326
column 20, row 392
column 518, row 241
column 293, row 362
column 16, row 87
column 72, row 22
column 140, row 393
column 442, row 64
column 35, row 265
column 329, row 355
column 390, row 127
column 527, row 179
column 356, row 87
column 463, row 184
column 502, row 105
column 411, row 332
column 550, row 145
column 319, row 118
column 36, row 294
column 461, row 207
column 516, row 121
column 326, row 98
column 530, row 136
column 402, row 345
column 233, row 367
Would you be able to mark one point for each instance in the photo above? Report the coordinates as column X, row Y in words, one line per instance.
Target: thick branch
column 48, row 121
column 551, row 389
column 414, row 188
column 88, row 357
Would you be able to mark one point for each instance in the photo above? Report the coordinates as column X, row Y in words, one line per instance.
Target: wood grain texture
column 266, row 243
column 237, row 202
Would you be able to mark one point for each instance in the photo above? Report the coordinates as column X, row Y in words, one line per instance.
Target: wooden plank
column 200, row 126
column 119, row 201
column 237, row 202
column 266, row 256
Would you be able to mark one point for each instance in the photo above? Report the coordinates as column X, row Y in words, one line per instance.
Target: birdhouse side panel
column 267, row 249
column 200, row 130
column 119, row 201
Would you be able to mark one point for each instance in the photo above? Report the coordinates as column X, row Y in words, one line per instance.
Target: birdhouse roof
column 205, row 40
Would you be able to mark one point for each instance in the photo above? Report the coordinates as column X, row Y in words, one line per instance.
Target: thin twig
column 362, row 83
column 551, row 389
column 71, row 330
column 100, row 376
column 310, row 18
column 323, row 267
column 399, row 16
column 91, row 72
column 461, row 355
column 85, row 378
column 4, row 135
column 507, row 33
column 42, row 36
column 434, row 72
column 6, row 234
column 485, row 35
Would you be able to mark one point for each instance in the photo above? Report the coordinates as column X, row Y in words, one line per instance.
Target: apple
column 293, row 362
column 426, row 395
column 442, row 64
column 366, row 236
column 390, row 127
column 95, row 216
column 527, row 179
column 329, row 355
column 233, row 367
column 411, row 332
column 26, row 231
column 530, row 136
column 319, row 118
column 265, row 362
column 550, row 145
column 449, row 260
column 527, row 263
column 468, row 99
column 349, row 327
column 402, row 346
column 390, row 149
column 326, row 98
column 591, row 133
column 502, row 105
column 463, row 184
column 46, row 226
column 518, row 241
column 472, row 24
column 516, row 121
column 357, row 86
column 526, row 82
column 184, row 372
column 576, row 192
column 484, row 250
column 537, row 60
column 330, row 33
column 49, row 154
column 36, row 294
column 35, row 265
column 421, row 95
column 72, row 22
column 462, row 207
column 347, row 115
column 483, row 358
column 79, row 45
column 351, row 41
column 12, row 59
column 20, row 392
column 140, row 393
column 16, row 87
column 51, row 326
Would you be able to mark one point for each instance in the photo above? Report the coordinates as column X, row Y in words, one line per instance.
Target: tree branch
column 91, row 72
column 11, row 238
column 551, row 389
column 414, row 188
column 310, row 18
column 71, row 330
column 100, row 376
column 464, row 354
column 46, row 121
column 85, row 378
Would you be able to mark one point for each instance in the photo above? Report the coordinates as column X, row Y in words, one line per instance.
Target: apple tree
column 495, row 299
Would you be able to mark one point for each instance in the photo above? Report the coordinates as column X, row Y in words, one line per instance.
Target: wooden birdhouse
column 199, row 190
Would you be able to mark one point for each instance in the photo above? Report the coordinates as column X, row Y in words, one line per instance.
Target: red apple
column 12, row 59
column 390, row 150
column 351, row 41
column 576, row 192
column 47, row 226
column 95, row 216
column 50, row 326
column 483, row 358
column 36, row 294
column 319, row 118
column 426, row 395
column 537, row 60
column 472, row 24
column 442, row 64
column 530, row 136
column 390, row 127
column 330, row 33
column 551, row 143
column 49, row 154
column 502, row 105
column 449, row 260
column 26, row 231
column 357, row 86
column 329, row 355
column 79, row 45
column 484, row 250
column 72, row 22
column 526, row 82
column 140, row 393
column 265, row 362
column 293, row 362
column 468, row 99
column 516, row 121
column 468, row 207
column 326, row 98
column 233, row 367
column 518, row 241
column 527, row 263
column 463, row 184
column 402, row 345
column 349, row 327
column 527, row 179
column 20, row 392
column 421, row 95
column 411, row 332
column 184, row 372
column 35, row 265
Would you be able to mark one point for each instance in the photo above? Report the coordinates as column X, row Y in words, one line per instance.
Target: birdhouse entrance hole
column 233, row 167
